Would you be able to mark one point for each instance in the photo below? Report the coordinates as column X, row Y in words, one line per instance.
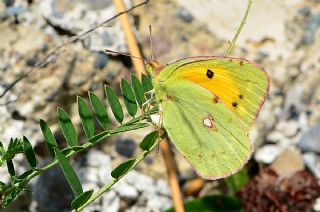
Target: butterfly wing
column 241, row 85
column 206, row 132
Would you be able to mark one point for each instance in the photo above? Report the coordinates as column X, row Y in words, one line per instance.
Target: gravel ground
column 282, row 36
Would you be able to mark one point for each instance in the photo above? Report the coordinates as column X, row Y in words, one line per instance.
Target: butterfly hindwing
column 206, row 132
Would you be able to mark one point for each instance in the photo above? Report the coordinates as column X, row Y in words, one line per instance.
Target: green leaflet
column 149, row 140
column 146, row 83
column 129, row 99
column 81, row 199
column 99, row 110
column 29, row 153
column 68, row 129
column 138, row 90
column 114, row 104
column 122, row 169
column 86, row 117
column 48, row 137
column 70, row 174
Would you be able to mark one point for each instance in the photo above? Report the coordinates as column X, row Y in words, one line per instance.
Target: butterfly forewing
column 239, row 84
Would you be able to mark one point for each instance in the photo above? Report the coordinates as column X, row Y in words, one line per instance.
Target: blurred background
column 282, row 36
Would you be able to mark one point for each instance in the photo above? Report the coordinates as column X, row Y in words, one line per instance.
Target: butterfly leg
column 147, row 105
column 158, row 128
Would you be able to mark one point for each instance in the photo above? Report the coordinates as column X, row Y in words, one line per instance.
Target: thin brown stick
column 172, row 175
column 130, row 38
column 164, row 145
column 53, row 55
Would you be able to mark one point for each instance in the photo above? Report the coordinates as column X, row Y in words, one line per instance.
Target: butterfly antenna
column 151, row 46
column 107, row 51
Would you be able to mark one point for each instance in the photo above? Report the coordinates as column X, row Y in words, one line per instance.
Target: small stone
column 159, row 203
column 185, row 15
column 32, row 61
column 275, row 136
column 89, row 175
column 126, row 147
column 4, row 66
column 52, row 191
column 97, row 158
column 27, row 108
column 140, row 181
column 162, row 187
column 304, row 11
column 97, row 168
column 148, row 160
column 110, row 202
column 4, row 176
column 288, row 128
column 316, row 206
column 309, row 141
column 8, row 3
column 288, row 163
column 125, row 190
column 312, row 161
column 267, row 153
column 101, row 60
column 13, row 129
column 310, row 28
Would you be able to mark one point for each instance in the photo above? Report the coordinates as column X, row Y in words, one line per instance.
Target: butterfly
column 208, row 105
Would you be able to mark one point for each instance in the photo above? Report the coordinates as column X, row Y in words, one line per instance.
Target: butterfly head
column 153, row 67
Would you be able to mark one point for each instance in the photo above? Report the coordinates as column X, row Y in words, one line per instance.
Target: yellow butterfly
column 208, row 105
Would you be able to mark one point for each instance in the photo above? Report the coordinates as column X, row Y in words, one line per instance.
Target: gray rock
column 80, row 16
column 125, row 147
column 310, row 28
column 101, row 60
column 267, row 153
column 97, row 168
column 310, row 140
column 316, row 206
column 312, row 161
column 4, row 176
column 304, row 11
column 140, row 181
column 162, row 187
column 185, row 15
column 125, row 190
column 13, row 129
column 294, row 103
column 12, row 11
column 110, row 202
column 158, row 203
column 52, row 191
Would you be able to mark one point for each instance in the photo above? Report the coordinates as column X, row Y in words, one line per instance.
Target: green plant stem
column 107, row 186
column 85, row 146
column 243, row 22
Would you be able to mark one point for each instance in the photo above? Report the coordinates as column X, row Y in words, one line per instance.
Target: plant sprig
column 132, row 96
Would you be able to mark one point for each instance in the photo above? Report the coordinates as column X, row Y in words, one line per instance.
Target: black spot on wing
column 235, row 104
column 210, row 74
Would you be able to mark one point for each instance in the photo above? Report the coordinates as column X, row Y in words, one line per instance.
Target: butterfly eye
column 210, row 74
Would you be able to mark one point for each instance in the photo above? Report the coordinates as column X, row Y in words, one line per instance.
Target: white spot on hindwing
column 208, row 122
